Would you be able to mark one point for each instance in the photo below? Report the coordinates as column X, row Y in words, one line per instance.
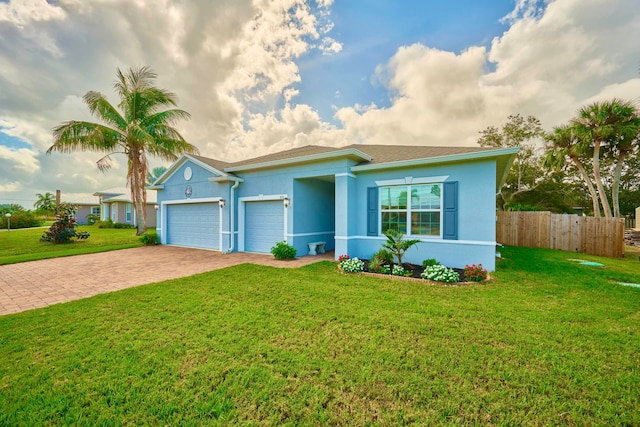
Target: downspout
column 232, row 219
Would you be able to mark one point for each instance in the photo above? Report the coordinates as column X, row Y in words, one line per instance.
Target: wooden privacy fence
column 589, row 235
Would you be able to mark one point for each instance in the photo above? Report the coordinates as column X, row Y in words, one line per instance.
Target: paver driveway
column 37, row 284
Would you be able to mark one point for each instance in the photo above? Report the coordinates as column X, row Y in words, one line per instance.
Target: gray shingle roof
column 379, row 153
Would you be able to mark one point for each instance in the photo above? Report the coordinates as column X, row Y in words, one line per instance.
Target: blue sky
column 256, row 80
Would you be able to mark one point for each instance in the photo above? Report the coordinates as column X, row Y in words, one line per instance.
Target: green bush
column 107, row 223
column 149, row 239
column 382, row 257
column 64, row 228
column 283, row 251
column 21, row 219
column 93, row 219
column 122, row 225
column 429, row 262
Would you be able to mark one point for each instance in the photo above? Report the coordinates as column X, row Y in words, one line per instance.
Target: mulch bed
column 415, row 269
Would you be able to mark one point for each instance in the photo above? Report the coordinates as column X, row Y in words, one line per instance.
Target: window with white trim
column 95, row 210
column 414, row 210
column 128, row 212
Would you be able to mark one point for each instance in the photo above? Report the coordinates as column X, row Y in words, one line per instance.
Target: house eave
column 349, row 153
column 176, row 165
column 225, row 178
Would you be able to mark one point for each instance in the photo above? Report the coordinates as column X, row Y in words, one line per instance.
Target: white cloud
column 21, row 12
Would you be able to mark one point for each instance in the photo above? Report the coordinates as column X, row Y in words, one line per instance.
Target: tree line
column 591, row 162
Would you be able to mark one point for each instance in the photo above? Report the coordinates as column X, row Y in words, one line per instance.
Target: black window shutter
column 372, row 211
column 450, row 211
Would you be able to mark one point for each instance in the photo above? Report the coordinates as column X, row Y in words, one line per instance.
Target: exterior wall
column 81, row 214
column 289, row 182
column 476, row 216
column 314, row 213
column 201, row 189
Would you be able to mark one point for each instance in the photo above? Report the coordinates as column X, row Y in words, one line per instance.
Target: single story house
column 86, row 206
column 345, row 197
column 116, row 204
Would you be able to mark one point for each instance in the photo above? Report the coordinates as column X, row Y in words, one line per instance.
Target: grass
column 24, row 244
column 548, row 342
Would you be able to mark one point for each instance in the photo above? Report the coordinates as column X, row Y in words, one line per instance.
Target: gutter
column 232, row 221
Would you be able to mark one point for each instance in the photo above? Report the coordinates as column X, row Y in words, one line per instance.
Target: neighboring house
column 86, row 206
column 346, row 197
column 115, row 204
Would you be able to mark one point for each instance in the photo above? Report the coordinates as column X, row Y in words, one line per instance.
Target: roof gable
column 214, row 166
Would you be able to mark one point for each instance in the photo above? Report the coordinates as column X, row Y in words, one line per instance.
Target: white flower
column 440, row 273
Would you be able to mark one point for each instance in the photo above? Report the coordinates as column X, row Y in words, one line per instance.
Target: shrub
column 92, row 219
column 352, row 265
column 396, row 244
column 429, row 262
column 107, row 223
column 475, row 273
column 64, row 227
column 283, row 251
column 149, row 239
column 343, row 257
column 440, row 273
column 399, row 270
column 122, row 225
column 20, row 219
column 382, row 257
column 381, row 269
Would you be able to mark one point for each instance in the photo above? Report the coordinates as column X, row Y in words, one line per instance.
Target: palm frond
column 85, row 136
column 100, row 107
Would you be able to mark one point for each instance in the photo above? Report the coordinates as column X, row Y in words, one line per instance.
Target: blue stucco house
column 345, row 196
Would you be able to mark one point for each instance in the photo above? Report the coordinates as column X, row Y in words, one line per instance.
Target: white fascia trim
column 411, row 180
column 350, row 175
column 302, row 159
column 263, row 198
column 225, row 178
column 320, row 233
column 155, row 187
column 184, row 201
column 437, row 241
column 441, row 159
column 182, row 160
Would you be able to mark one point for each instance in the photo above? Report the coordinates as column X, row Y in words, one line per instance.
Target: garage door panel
column 194, row 225
column 264, row 225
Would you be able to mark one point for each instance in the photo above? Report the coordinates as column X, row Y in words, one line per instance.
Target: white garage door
column 195, row 225
column 263, row 225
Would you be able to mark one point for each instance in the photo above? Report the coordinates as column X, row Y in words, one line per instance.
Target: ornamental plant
column 440, row 273
column 283, row 251
column 64, row 228
column 397, row 245
column 352, row 265
column 380, row 269
column 398, row 270
column 475, row 273
column 343, row 257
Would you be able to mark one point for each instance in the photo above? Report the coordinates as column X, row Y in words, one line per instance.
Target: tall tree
column 155, row 174
column 565, row 143
column 606, row 125
column 46, row 203
column 526, row 172
column 140, row 125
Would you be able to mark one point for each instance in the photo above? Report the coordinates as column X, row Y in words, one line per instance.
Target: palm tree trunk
column 615, row 187
column 587, row 180
column 596, row 174
column 137, row 180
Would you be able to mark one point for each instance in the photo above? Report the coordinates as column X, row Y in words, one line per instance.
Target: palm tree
column 141, row 126
column 155, row 174
column 601, row 123
column 566, row 144
column 46, row 203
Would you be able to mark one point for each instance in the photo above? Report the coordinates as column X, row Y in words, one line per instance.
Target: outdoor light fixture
column 8, row 221
column 287, row 202
column 156, row 207
column 222, row 203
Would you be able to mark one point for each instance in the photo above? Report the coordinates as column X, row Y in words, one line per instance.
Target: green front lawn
column 24, row 244
column 548, row 342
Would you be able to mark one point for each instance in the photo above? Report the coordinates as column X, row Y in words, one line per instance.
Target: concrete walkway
column 36, row 284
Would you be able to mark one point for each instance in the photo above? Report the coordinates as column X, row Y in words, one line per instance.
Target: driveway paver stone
column 36, row 284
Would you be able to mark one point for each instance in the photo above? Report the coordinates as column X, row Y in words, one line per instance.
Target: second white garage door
column 263, row 225
column 195, row 225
